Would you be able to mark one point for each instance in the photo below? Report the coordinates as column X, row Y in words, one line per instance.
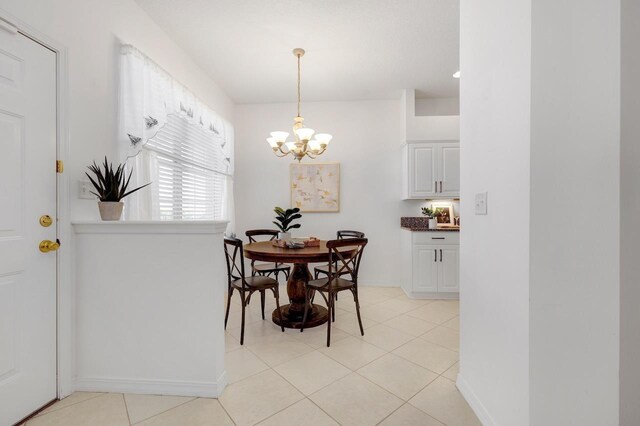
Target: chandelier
column 303, row 145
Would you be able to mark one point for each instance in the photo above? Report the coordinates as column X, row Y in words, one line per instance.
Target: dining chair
column 246, row 286
column 266, row 269
column 340, row 265
column 324, row 269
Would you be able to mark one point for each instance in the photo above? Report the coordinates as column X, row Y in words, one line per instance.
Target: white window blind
column 188, row 183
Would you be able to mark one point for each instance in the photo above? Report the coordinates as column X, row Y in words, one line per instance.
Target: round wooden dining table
column 292, row 313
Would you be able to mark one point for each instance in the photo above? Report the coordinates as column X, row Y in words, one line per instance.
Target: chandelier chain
column 298, row 85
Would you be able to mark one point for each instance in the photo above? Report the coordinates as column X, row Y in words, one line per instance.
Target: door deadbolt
column 45, row 220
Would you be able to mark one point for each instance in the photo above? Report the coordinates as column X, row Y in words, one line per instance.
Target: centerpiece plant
column 111, row 187
column 432, row 215
column 284, row 221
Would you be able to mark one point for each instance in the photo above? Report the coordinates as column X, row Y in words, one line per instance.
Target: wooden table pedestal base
column 292, row 313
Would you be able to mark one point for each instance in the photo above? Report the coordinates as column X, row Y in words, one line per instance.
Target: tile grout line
column 225, row 410
column 101, row 394
column 162, row 412
column 126, row 408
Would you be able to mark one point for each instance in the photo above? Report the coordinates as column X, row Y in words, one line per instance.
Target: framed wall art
column 315, row 187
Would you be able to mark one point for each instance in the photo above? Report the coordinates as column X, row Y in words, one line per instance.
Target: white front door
column 27, row 192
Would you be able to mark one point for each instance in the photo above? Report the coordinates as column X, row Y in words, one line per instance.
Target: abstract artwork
column 315, row 187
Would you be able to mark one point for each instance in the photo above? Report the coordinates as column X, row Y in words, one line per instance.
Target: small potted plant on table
column 431, row 214
column 111, row 187
column 284, row 219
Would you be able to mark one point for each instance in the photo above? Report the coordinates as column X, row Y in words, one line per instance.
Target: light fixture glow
column 456, row 74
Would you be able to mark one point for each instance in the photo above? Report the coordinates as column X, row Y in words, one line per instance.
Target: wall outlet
column 481, row 203
column 84, row 190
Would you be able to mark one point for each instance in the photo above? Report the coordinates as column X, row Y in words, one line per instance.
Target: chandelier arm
column 284, row 154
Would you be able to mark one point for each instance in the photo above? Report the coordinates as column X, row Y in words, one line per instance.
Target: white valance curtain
column 149, row 97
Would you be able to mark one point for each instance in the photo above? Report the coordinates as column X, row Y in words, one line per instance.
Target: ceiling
column 356, row 49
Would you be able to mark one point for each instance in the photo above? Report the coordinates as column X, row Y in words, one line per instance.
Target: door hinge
column 59, row 166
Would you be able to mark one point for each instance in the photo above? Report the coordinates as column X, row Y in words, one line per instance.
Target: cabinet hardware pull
column 435, row 182
column 440, row 186
column 437, row 238
column 435, row 255
column 440, row 255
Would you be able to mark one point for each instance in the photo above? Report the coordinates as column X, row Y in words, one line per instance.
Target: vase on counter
column 110, row 210
column 286, row 236
column 433, row 223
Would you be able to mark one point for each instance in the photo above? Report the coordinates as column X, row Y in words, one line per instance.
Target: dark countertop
column 446, row 229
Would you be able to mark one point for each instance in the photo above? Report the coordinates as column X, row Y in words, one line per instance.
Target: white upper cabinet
column 449, row 163
column 431, row 170
column 423, row 175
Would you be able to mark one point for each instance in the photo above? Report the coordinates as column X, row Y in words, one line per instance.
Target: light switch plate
column 481, row 203
column 84, row 188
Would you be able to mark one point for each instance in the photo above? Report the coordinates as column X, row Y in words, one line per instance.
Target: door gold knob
column 47, row 246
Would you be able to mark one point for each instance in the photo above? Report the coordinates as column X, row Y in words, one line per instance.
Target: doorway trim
column 65, row 303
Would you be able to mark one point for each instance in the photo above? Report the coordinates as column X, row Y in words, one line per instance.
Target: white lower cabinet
column 431, row 264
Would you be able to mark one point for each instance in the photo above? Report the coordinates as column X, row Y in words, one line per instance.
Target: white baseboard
column 153, row 387
column 431, row 295
column 474, row 402
column 377, row 283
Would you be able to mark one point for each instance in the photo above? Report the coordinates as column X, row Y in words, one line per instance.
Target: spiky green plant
column 285, row 217
column 110, row 184
column 430, row 213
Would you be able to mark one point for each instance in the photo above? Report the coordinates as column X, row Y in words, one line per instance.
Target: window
column 188, row 184
column 169, row 137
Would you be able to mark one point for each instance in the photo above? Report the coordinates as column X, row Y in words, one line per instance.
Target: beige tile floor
column 402, row 372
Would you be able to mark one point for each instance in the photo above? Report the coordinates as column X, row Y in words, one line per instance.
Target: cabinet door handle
column 435, row 255
column 440, row 255
column 440, row 186
column 436, row 185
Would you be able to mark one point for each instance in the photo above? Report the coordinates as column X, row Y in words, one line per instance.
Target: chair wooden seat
column 338, row 284
column 258, row 282
column 269, row 268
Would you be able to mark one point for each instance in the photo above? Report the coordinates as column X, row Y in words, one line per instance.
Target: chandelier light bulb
column 272, row 143
column 324, row 138
column 291, row 146
column 305, row 133
column 280, row 137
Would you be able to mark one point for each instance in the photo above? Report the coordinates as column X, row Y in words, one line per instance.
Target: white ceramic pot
column 284, row 236
column 110, row 210
column 433, row 223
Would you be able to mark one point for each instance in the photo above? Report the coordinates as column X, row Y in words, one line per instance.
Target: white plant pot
column 110, row 210
column 433, row 223
column 286, row 236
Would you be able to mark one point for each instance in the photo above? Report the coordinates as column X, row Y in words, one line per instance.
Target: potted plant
column 431, row 214
column 111, row 187
column 284, row 219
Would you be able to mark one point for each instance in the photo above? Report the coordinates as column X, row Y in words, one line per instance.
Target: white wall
column 540, row 132
column 437, row 106
column 575, row 143
column 157, row 326
column 629, row 208
column 494, row 249
column 91, row 30
column 367, row 144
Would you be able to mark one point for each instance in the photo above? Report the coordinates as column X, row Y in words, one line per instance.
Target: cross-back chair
column 246, row 286
column 266, row 269
column 324, row 269
column 342, row 263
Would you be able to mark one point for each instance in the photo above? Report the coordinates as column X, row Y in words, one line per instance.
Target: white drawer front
column 436, row 237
